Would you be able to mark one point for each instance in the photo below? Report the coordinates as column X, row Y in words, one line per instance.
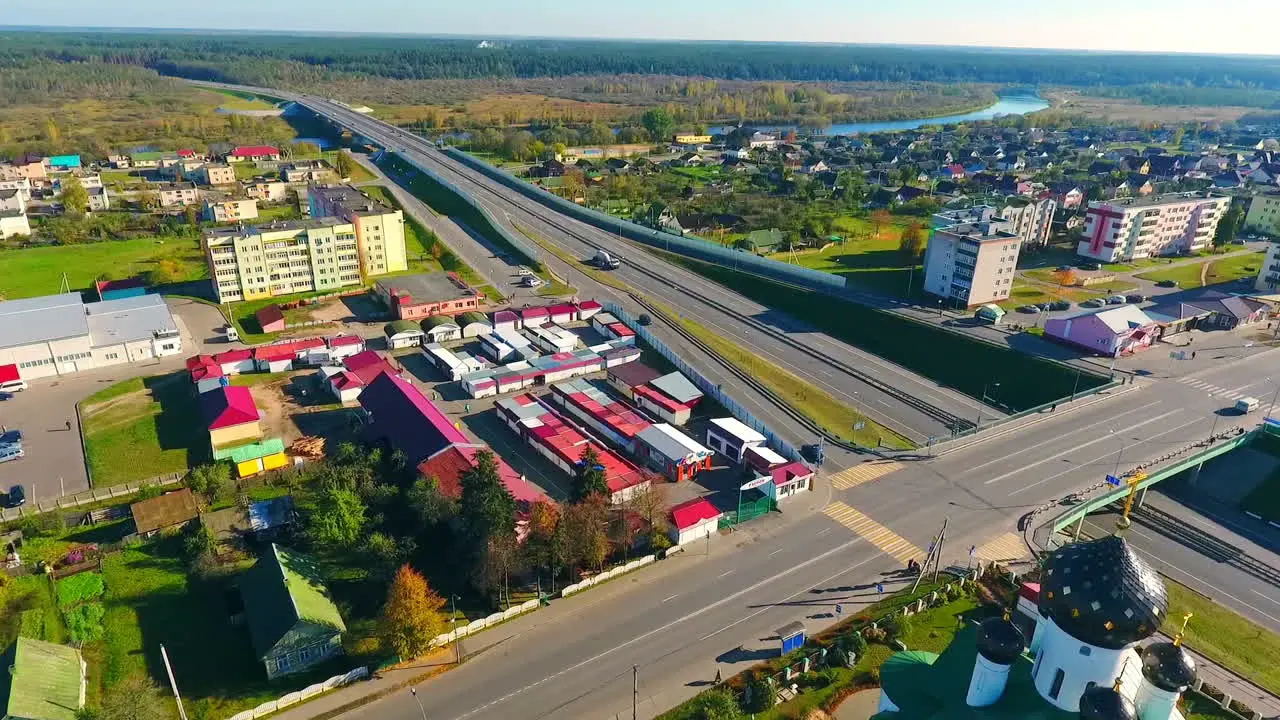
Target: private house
column 214, row 175
column 1109, row 332
column 12, row 201
column 230, row 211
column 268, row 191
column 270, row 319
column 307, row 171
column 293, row 622
column 694, row 520
column 231, row 415
column 99, row 199
column 253, row 153
column 403, row 418
column 761, row 241
column 42, row 681
column 177, row 194
column 14, row 224
column 171, row 510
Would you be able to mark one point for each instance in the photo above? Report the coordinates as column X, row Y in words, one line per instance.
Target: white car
column 531, row 281
column 11, row 452
column 524, row 271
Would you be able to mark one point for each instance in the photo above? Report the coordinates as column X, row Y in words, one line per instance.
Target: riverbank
column 1011, row 105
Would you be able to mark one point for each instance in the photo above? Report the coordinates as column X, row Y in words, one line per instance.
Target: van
column 13, row 386
column 233, row 335
column 1246, row 405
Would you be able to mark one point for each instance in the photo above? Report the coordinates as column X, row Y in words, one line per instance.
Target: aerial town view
column 433, row 361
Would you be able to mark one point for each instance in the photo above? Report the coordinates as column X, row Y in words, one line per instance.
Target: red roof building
column 345, row 340
column 612, row 418
column 270, row 319
column 255, row 152
column 694, row 520
column 448, row 465
column 367, row 365
column 289, row 349
column 791, row 479
column 9, row 373
column 406, row 420
column 229, row 406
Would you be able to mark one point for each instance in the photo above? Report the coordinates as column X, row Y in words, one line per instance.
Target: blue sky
column 1216, row 26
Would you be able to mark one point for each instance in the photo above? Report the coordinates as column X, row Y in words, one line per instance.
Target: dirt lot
column 1117, row 110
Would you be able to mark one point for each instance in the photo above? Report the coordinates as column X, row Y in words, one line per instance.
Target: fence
column 607, row 575
column 688, row 246
column 293, row 698
column 456, row 202
column 88, row 497
column 706, row 386
column 476, row 626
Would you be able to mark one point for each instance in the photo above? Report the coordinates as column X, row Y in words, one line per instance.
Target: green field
column 32, row 272
column 948, row 358
column 141, row 428
column 244, row 101
column 1221, row 270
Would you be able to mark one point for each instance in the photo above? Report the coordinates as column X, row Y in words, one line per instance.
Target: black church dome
column 1102, row 702
column 1000, row 641
column 1101, row 593
column 1169, row 667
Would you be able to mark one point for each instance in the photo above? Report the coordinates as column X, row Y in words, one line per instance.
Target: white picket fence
column 477, row 625
column 293, row 698
column 607, row 575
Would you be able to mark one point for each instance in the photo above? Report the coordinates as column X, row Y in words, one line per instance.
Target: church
column 1098, row 600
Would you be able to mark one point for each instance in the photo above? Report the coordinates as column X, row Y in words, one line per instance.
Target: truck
column 605, row 261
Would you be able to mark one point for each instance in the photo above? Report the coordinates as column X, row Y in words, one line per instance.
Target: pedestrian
column 1193, row 354
column 1053, row 408
column 68, row 425
column 718, row 679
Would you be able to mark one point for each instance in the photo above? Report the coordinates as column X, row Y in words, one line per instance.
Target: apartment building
column 1029, row 218
column 972, row 263
column 214, row 175
column 267, row 190
column 175, row 194
column 280, row 258
column 1264, row 215
column 1128, row 229
column 1269, row 276
column 379, row 229
column 230, row 211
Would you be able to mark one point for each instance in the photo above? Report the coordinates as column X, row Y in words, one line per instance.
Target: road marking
column 889, row 542
column 863, row 473
column 775, row 552
column 1087, row 463
column 673, row 597
column 726, row 572
column 1068, row 451
column 823, row 531
column 1056, row 438
column 704, row 609
column 1264, row 597
column 1009, row 547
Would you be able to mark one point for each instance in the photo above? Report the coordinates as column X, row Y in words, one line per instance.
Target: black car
column 1135, row 298
column 17, row 497
column 1167, row 283
column 644, row 319
column 1090, row 266
column 1044, row 306
column 813, row 453
column 1060, row 305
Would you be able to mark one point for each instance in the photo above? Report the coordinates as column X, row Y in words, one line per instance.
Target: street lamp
column 989, row 385
column 1216, row 415
column 453, row 619
column 1271, row 411
column 1119, row 455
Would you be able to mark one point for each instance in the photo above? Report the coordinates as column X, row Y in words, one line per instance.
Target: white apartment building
column 1264, row 215
column 379, row 229
column 211, row 174
column 971, row 263
column 1030, row 219
column 280, row 258
column 1132, row 228
column 175, row 194
column 270, row 191
column 1269, row 276
column 22, row 185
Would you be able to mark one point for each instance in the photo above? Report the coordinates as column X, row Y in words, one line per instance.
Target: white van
column 13, row 386
column 1246, row 405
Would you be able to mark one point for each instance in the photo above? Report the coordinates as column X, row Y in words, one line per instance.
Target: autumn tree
column 345, row 164
column 539, row 545
column 1065, row 277
column 136, row 697
column 880, row 218
column 75, row 199
column 587, row 532
column 412, row 614
column 912, row 243
column 650, row 503
column 589, row 478
column 499, row 560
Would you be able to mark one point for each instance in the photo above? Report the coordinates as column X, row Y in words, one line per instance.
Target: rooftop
column 426, row 287
column 286, row 602
column 142, row 317
column 229, row 406
column 738, row 429
column 40, row 319
column 43, row 681
column 349, row 199
column 688, row 514
column 275, row 226
column 164, row 511
column 677, row 387
column 989, row 231
column 1153, row 200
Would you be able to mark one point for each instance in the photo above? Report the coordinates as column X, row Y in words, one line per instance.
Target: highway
column 897, row 398
column 679, row 620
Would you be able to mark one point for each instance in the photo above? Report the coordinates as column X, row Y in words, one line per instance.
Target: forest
column 278, row 60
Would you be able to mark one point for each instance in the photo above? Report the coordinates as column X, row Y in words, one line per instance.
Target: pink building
column 1133, row 228
column 1111, row 332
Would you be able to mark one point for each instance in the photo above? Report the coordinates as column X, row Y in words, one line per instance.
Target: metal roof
column 673, row 444
column 128, row 319
column 41, row 319
column 677, row 387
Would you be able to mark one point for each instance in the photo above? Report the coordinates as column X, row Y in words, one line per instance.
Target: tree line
column 286, row 60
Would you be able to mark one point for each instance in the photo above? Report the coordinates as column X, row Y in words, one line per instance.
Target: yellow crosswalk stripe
column 863, row 473
column 889, row 542
column 1005, row 548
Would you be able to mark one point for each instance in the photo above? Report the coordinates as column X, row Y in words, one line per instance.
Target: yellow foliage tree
column 411, row 616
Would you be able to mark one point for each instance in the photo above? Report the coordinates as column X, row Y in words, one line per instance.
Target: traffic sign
column 839, row 608
column 880, row 588
column 859, row 425
column 1113, row 480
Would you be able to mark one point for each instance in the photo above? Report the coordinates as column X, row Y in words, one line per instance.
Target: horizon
column 1002, row 25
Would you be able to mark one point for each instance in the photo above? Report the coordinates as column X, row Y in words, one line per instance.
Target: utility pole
column 173, row 683
column 635, row 689
column 414, row 692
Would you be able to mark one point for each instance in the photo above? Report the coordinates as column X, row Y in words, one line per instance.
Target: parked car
column 1092, row 304
column 644, row 319
column 1167, row 283
column 1060, row 305
column 1115, row 300
column 1092, row 265
column 1030, row 309
column 1135, row 298
column 13, row 386
column 11, row 438
column 17, row 497
column 523, row 271
column 530, row 281
column 813, row 453
column 11, row 452
column 1044, row 306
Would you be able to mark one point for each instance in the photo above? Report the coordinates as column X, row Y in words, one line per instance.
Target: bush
column 875, row 634
column 760, row 694
column 1240, row 708
column 84, row 622
column 78, row 588
column 896, row 626
column 854, row 642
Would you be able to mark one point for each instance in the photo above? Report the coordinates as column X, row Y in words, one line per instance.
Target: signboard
column 1178, row 354
column 762, row 480
column 839, row 608
column 859, row 425
column 1113, row 480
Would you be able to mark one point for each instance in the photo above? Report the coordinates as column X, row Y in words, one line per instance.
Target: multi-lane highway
column 902, row 400
column 680, row 619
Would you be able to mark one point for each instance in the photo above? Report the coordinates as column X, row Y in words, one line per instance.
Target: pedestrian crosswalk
column 889, row 542
column 1007, row 548
column 863, row 473
column 1215, row 390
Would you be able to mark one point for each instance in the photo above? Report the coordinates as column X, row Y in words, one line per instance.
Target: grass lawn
column 244, row 101
column 286, row 211
column 248, row 170
column 244, row 314
column 32, row 272
column 141, row 428
column 1225, row 637
column 121, row 178
column 1221, row 270
column 358, row 174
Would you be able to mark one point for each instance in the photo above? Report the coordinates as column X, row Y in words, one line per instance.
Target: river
column 1012, row 105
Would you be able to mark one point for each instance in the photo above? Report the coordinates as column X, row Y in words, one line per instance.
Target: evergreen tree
column 486, row 507
column 590, row 476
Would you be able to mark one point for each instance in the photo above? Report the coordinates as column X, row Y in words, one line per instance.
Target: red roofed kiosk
column 693, row 520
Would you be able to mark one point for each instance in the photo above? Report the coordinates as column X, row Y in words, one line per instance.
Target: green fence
column 750, row 509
